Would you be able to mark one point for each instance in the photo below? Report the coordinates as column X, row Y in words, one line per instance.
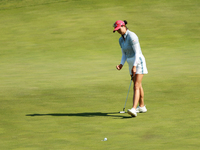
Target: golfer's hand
column 119, row 67
column 133, row 71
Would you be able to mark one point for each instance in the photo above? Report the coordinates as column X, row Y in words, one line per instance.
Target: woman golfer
column 131, row 52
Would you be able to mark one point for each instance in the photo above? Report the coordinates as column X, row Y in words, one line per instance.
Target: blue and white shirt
column 130, row 47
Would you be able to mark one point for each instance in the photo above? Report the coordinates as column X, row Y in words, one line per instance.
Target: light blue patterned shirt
column 130, row 47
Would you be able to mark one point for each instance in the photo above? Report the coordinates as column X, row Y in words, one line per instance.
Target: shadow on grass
column 85, row 114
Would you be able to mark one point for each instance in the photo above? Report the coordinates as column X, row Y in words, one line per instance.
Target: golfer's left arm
column 136, row 48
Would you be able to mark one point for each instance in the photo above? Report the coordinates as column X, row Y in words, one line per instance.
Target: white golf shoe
column 132, row 112
column 141, row 109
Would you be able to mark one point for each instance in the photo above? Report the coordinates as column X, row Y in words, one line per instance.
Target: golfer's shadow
column 85, row 114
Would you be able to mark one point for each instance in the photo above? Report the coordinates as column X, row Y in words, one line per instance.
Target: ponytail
column 125, row 22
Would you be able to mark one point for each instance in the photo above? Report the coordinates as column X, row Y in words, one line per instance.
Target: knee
column 136, row 86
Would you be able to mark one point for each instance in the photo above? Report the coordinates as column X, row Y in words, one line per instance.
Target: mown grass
column 59, row 86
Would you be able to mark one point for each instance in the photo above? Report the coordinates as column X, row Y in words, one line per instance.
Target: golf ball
column 105, row 139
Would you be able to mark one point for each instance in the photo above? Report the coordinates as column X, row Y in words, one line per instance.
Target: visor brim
column 117, row 28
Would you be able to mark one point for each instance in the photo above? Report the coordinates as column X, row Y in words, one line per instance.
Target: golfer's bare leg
column 141, row 101
column 137, row 87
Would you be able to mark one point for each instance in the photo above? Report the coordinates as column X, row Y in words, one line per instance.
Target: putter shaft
column 127, row 95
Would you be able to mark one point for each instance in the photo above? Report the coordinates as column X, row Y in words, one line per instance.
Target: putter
column 126, row 98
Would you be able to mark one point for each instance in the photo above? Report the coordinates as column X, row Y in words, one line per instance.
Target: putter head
column 122, row 112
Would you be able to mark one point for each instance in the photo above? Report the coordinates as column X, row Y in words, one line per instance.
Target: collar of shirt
column 125, row 35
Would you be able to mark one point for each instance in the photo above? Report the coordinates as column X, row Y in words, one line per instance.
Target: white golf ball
column 105, row 139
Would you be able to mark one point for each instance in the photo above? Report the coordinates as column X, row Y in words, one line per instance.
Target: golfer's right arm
column 123, row 59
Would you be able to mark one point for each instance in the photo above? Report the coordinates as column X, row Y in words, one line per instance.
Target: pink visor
column 118, row 24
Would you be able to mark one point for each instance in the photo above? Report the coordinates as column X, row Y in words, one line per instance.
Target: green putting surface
column 60, row 90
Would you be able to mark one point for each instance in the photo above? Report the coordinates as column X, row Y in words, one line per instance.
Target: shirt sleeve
column 123, row 59
column 136, row 48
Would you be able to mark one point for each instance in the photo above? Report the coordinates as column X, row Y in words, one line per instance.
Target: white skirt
column 141, row 67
